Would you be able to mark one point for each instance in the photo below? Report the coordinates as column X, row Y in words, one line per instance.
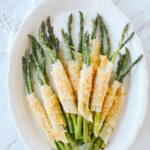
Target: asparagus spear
column 90, row 145
column 36, row 45
column 70, row 123
column 97, row 144
column 104, row 33
column 80, row 50
column 74, row 66
column 124, row 71
column 70, row 47
column 82, row 107
column 61, row 145
column 53, row 41
column 86, row 60
column 57, row 146
column 79, row 127
column 81, row 33
column 122, row 43
column 95, row 23
column 69, row 32
column 101, row 36
column 26, row 65
column 67, row 42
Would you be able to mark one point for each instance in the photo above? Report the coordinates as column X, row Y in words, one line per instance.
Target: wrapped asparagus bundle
column 113, row 117
column 74, row 64
column 111, row 92
column 114, row 113
column 95, row 47
column 35, row 105
column 103, row 75
column 85, row 86
column 50, row 101
column 60, row 78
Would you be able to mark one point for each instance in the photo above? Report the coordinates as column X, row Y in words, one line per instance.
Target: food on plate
column 49, row 98
column 103, row 76
column 59, row 75
column 85, row 86
column 114, row 112
column 85, row 104
column 34, row 102
column 74, row 64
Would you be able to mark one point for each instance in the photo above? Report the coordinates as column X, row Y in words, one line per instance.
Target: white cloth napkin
column 12, row 13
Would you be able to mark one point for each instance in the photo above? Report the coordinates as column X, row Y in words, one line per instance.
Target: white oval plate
column 136, row 101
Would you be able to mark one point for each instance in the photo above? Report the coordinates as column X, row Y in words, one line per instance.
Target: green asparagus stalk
column 104, row 34
column 69, row 32
column 87, row 61
column 74, row 119
column 95, row 23
column 80, row 142
column 101, row 36
column 85, row 130
column 122, row 43
column 57, row 146
column 79, row 127
column 28, row 72
column 36, row 72
column 67, row 146
column 96, row 123
column 36, row 45
column 90, row 145
column 44, row 32
column 53, row 41
column 51, row 53
column 24, row 67
column 70, row 47
column 123, row 73
column 122, row 64
column 71, row 139
column 107, row 40
column 61, row 145
column 103, row 145
column 80, row 33
column 97, row 144
column 66, row 40
column 70, row 123
column 38, row 69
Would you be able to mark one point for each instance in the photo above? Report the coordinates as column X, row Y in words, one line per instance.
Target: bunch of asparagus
column 86, row 107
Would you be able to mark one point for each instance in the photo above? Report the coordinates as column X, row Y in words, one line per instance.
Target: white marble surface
column 138, row 11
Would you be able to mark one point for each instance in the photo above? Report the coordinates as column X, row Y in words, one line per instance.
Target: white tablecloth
column 12, row 13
